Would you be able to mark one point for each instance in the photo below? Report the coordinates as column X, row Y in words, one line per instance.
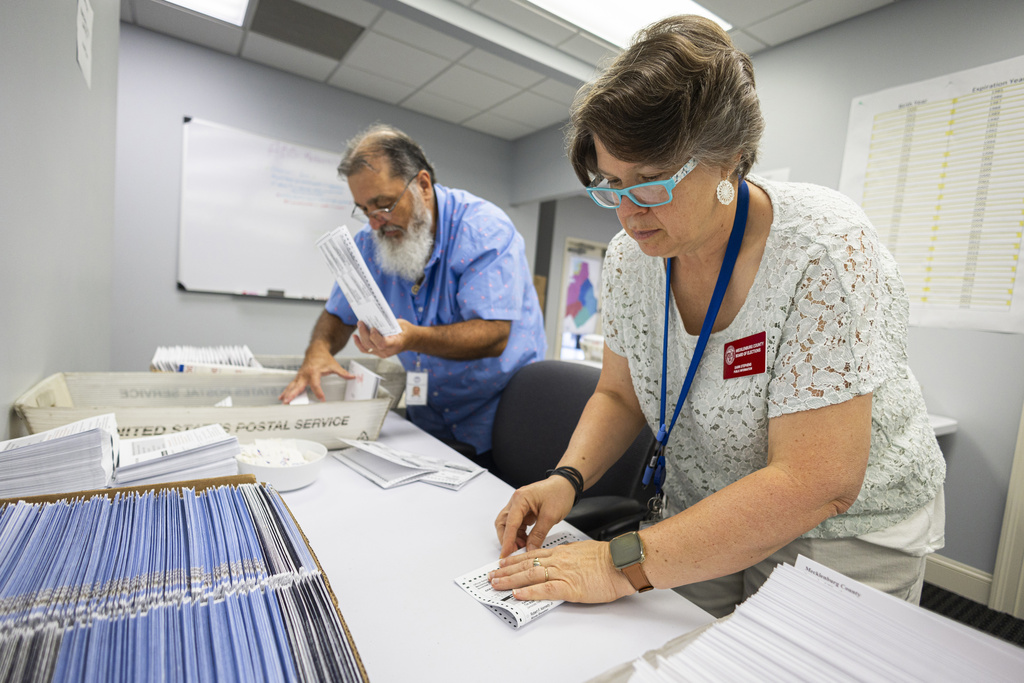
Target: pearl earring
column 725, row 192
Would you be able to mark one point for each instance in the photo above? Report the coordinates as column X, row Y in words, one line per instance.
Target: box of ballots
column 213, row 575
column 392, row 374
column 245, row 405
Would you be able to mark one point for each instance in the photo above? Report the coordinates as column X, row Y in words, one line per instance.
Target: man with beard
column 453, row 269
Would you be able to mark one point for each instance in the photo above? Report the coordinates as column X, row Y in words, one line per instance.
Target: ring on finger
column 546, row 574
column 536, row 562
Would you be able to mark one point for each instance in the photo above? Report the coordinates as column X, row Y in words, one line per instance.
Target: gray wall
column 56, row 193
column 73, row 306
column 806, row 88
column 163, row 80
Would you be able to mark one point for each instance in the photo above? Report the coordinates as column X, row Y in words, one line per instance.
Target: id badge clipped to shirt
column 416, row 389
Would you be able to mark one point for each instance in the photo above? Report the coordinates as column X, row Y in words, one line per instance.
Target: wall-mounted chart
column 252, row 209
column 938, row 166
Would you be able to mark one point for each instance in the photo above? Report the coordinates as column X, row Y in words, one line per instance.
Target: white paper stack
column 75, row 457
column 204, row 359
column 193, row 454
column 356, row 283
column 388, row 467
column 812, row 623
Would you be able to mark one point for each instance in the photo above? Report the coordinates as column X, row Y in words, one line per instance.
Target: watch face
column 626, row 550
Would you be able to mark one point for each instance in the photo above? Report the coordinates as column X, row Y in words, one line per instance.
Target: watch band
column 638, row 577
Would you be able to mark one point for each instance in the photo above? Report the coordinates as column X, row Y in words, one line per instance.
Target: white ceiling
column 501, row 67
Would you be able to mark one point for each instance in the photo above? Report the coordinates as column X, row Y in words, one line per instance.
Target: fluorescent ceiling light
column 616, row 21
column 231, row 11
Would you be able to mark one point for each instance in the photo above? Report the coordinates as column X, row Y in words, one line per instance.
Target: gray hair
column 404, row 156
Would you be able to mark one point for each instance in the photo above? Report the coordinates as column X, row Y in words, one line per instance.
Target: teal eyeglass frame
column 628, row 191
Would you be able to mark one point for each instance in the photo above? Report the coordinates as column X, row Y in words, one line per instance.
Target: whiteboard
column 252, row 209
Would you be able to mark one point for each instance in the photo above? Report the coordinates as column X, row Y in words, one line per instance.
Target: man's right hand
column 313, row 368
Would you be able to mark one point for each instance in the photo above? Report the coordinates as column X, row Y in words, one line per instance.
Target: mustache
column 388, row 230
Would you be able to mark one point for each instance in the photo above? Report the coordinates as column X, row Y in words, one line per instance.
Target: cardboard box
column 202, row 485
column 154, row 403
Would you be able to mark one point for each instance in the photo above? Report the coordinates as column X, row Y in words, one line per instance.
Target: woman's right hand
column 542, row 504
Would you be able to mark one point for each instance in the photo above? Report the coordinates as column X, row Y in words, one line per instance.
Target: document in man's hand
column 363, row 386
column 514, row 612
column 355, row 281
column 388, row 467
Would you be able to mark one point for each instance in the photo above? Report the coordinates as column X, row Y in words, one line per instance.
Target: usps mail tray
column 154, row 403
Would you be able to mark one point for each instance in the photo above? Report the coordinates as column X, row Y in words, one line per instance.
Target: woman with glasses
column 759, row 329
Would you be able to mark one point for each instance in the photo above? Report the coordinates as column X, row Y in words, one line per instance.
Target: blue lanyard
column 656, row 466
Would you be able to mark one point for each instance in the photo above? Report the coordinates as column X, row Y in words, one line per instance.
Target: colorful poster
column 581, row 296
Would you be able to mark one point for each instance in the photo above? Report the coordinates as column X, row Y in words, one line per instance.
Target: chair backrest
column 536, row 417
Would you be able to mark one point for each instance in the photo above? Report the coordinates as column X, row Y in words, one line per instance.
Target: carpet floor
column 974, row 614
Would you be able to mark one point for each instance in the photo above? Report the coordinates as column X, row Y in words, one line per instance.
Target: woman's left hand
column 576, row 572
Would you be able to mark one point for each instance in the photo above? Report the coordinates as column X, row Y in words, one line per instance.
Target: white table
column 391, row 557
column 941, row 424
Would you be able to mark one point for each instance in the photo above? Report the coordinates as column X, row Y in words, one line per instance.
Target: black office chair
column 536, row 416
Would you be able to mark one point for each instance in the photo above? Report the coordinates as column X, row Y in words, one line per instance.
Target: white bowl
column 289, row 477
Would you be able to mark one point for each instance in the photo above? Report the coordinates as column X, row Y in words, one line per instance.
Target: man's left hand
column 372, row 342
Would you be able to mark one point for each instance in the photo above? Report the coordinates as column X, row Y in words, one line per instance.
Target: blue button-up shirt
column 478, row 270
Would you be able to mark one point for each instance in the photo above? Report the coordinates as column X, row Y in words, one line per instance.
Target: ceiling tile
column 742, row 13
column 371, row 85
column 416, row 34
column 531, row 110
column 526, row 20
column 305, row 27
column 591, row 50
column 555, row 90
column 260, row 48
column 357, row 11
column 391, row 59
column 499, row 127
column 188, row 26
column 471, row 87
column 499, row 67
column 440, row 107
column 807, row 18
column 746, row 42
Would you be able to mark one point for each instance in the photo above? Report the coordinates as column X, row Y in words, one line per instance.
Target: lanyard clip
column 656, row 464
column 659, row 470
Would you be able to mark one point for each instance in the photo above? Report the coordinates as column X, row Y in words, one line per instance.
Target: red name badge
column 745, row 356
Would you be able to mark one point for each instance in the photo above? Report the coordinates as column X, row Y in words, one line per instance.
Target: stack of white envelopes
column 812, row 623
column 193, row 454
column 75, row 457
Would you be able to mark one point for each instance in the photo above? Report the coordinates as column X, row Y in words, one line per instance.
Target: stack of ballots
column 73, row 457
column 212, row 583
column 192, row 454
column 198, row 358
column 811, row 623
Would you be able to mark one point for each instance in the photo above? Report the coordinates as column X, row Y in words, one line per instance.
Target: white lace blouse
column 831, row 301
